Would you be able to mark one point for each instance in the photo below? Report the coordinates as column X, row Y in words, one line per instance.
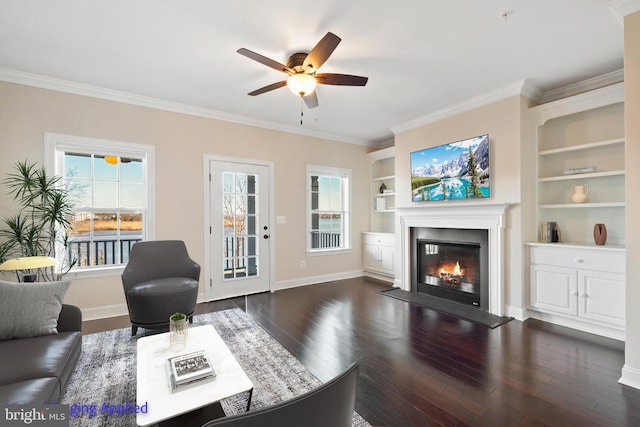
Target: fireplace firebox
column 451, row 263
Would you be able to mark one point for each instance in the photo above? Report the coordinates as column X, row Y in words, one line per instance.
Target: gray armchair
column 159, row 280
column 331, row 404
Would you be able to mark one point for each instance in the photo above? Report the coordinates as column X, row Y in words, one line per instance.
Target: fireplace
column 487, row 218
column 451, row 263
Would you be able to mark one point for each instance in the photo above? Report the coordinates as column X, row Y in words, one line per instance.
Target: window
column 109, row 183
column 328, row 209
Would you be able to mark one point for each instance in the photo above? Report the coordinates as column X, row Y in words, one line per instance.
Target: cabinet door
column 602, row 296
column 371, row 258
column 554, row 289
column 387, row 255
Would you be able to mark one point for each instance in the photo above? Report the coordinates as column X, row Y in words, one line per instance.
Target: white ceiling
column 421, row 56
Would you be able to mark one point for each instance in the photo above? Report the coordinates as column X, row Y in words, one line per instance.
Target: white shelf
column 583, row 205
column 384, row 178
column 580, row 245
column 581, row 147
column 581, row 176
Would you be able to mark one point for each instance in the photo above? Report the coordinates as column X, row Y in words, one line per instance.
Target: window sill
column 95, row 272
column 329, row 252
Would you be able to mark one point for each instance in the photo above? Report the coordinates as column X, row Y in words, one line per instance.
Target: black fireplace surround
column 451, row 263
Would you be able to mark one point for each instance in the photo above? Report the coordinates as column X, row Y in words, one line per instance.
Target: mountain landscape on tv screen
column 443, row 172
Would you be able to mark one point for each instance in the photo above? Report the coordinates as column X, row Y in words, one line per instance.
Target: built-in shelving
column 383, row 203
column 586, row 130
column 379, row 242
column 576, row 282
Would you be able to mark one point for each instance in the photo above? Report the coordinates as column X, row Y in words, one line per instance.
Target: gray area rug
column 106, row 372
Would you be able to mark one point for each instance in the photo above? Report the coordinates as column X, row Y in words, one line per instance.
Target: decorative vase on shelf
column 600, row 234
column 579, row 194
column 178, row 331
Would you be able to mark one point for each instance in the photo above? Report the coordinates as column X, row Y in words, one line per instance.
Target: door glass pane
column 240, row 225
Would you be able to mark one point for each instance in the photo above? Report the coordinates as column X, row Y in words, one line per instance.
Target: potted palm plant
column 40, row 228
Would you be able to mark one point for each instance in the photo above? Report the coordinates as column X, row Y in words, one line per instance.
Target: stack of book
column 549, row 232
column 582, row 169
column 189, row 369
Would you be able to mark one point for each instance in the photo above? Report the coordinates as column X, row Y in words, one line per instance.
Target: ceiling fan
column 302, row 67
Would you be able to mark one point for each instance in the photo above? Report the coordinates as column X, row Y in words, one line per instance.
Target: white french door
column 239, row 233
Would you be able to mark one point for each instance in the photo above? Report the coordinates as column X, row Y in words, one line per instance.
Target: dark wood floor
column 419, row 367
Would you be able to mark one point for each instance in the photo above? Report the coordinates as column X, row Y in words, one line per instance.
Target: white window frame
column 56, row 144
column 344, row 174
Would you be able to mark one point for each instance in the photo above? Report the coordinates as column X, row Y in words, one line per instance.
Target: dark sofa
column 36, row 370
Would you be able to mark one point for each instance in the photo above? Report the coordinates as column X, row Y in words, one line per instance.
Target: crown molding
column 598, row 82
column 622, row 8
column 596, row 98
column 66, row 86
column 522, row 87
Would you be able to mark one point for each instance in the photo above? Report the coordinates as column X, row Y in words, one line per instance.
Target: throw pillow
column 30, row 309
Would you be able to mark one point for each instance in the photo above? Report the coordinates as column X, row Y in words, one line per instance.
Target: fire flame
column 457, row 271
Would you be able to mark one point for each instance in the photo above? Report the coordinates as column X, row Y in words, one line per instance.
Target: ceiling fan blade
column 320, row 53
column 311, row 100
column 265, row 61
column 341, row 79
column 268, row 88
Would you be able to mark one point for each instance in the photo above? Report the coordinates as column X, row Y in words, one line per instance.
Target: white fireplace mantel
column 490, row 217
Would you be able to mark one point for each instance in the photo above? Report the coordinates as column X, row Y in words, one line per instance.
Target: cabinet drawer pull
column 579, row 260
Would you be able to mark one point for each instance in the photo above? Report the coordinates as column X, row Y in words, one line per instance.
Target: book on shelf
column 189, row 369
column 582, row 169
column 549, row 232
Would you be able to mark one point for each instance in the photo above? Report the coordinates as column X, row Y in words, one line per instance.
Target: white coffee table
column 153, row 376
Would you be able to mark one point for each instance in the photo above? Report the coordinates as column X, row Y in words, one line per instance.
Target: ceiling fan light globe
column 301, row 84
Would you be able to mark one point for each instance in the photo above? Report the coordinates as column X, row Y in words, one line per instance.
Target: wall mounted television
column 454, row 171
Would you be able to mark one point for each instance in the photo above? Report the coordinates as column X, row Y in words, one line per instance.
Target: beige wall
column 631, row 371
column 502, row 120
column 181, row 142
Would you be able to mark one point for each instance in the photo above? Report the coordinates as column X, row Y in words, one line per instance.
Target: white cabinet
column 554, row 289
column 379, row 254
column 579, row 286
column 602, row 296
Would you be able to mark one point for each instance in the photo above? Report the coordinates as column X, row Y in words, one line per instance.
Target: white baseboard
column 517, row 313
column 313, row 280
column 115, row 310
column 105, row 311
column 605, row 331
column 382, row 277
column 630, row 377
